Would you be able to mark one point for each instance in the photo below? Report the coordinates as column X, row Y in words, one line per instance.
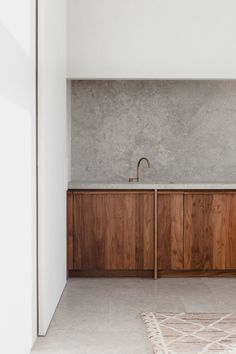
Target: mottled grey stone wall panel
column 187, row 129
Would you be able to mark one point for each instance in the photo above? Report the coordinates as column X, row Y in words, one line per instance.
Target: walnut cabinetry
column 142, row 233
column 112, row 231
column 170, row 234
column 210, row 231
column 196, row 232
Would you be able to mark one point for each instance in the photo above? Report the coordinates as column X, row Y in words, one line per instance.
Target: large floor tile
column 103, row 315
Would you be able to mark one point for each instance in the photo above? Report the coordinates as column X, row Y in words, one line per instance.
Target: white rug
column 191, row 333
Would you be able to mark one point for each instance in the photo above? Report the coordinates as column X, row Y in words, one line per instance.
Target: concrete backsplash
column 187, row 129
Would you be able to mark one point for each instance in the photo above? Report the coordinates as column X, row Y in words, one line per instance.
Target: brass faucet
column 136, row 179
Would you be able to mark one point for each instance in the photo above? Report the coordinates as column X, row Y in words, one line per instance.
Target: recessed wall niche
column 187, row 129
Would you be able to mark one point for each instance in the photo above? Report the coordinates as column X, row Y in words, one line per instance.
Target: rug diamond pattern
column 191, row 333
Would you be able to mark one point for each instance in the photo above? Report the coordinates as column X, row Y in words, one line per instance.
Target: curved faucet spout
column 145, row 159
column 138, row 165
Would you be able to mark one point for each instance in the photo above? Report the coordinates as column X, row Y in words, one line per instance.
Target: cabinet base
column 196, row 273
column 111, row 273
column 150, row 273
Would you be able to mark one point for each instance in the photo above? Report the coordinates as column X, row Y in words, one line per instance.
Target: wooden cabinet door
column 170, row 231
column 210, row 231
column 70, row 231
column 113, row 230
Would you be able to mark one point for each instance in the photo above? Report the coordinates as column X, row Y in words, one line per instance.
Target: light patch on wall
column 11, row 18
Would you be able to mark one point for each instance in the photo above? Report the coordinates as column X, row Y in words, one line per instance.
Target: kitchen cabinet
column 210, row 231
column 113, row 232
column 70, row 229
column 170, row 245
column 151, row 233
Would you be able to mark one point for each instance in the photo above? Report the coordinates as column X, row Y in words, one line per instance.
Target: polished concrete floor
column 101, row 316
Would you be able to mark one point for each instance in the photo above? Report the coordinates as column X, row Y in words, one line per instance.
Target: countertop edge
column 153, row 186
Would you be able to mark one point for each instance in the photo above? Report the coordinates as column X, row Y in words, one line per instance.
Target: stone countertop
column 151, row 186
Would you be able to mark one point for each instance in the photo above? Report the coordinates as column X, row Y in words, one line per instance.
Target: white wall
column 68, row 114
column 151, row 39
column 18, row 177
column 52, row 157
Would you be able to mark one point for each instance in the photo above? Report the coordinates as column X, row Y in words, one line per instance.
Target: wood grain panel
column 230, row 247
column 129, row 228
column 113, row 220
column 89, row 247
column 155, row 238
column 198, row 232
column 170, row 231
column 70, row 232
column 210, row 231
column 114, row 231
column 148, row 230
column 220, row 226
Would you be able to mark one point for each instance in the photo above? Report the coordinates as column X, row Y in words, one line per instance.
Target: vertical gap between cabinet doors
column 155, row 236
column 73, row 235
